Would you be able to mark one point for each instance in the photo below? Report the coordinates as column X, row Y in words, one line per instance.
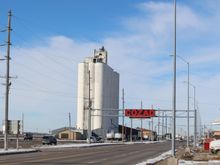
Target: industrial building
column 98, row 92
column 68, row 133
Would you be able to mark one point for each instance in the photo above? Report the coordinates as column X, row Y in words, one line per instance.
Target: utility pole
column 152, row 120
column 131, row 130
column 162, row 124
column 158, row 128
column 89, row 114
column 7, row 80
column 123, row 114
column 170, row 125
column 22, row 122
column 195, row 117
column 141, row 124
column 166, row 123
column 69, row 120
column 69, row 115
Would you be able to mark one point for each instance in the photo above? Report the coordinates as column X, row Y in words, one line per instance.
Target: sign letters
column 140, row 113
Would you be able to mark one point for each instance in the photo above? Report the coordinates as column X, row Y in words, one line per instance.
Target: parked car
column 28, row 136
column 49, row 140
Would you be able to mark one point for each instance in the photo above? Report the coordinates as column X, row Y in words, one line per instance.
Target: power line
column 40, row 61
column 50, row 76
column 54, row 93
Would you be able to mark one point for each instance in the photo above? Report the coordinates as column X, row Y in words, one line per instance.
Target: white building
column 104, row 94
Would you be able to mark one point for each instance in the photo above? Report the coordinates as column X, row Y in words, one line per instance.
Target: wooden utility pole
column 69, row 120
column 7, row 80
column 22, row 122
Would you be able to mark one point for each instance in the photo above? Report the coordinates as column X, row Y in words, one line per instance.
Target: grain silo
column 102, row 89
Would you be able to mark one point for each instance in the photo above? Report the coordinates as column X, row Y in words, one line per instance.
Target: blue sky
column 50, row 37
column 89, row 20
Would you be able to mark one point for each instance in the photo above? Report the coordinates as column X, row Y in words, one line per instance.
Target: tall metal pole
column 141, row 124
column 195, row 119
column 69, row 120
column 7, row 81
column 162, row 125
column 131, row 131
column 152, row 120
column 123, row 120
column 22, row 122
column 166, row 123
column 195, row 115
column 69, row 125
column 174, row 87
column 187, row 144
column 188, row 83
column 158, row 128
column 89, row 115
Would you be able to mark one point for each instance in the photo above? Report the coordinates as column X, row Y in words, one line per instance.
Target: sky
column 50, row 37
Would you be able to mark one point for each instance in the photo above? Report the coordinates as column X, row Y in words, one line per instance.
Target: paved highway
column 114, row 154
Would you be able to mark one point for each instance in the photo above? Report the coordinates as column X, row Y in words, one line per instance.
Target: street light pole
column 174, row 87
column 188, row 108
column 188, row 83
column 195, row 117
column 195, row 114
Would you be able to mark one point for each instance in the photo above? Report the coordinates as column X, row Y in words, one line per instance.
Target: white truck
column 214, row 147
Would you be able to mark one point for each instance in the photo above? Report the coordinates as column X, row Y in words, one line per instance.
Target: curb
column 86, row 146
column 18, row 152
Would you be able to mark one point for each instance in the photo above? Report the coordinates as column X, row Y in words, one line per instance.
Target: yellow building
column 70, row 135
column 67, row 133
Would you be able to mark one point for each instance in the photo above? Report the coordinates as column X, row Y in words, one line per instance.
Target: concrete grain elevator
column 101, row 90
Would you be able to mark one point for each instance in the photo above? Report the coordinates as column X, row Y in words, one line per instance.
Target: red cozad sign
column 139, row 113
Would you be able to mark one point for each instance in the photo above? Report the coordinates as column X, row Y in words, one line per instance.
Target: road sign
column 140, row 113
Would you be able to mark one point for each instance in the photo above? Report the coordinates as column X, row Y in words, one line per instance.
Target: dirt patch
column 198, row 154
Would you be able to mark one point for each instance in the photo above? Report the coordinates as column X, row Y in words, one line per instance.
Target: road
column 114, row 154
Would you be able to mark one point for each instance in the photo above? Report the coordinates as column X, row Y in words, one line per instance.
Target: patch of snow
column 11, row 151
column 157, row 159
column 91, row 144
column 75, row 145
column 210, row 162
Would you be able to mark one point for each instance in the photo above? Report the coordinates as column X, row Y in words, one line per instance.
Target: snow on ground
column 74, row 145
column 157, row 159
column 92, row 144
column 210, row 162
column 14, row 151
